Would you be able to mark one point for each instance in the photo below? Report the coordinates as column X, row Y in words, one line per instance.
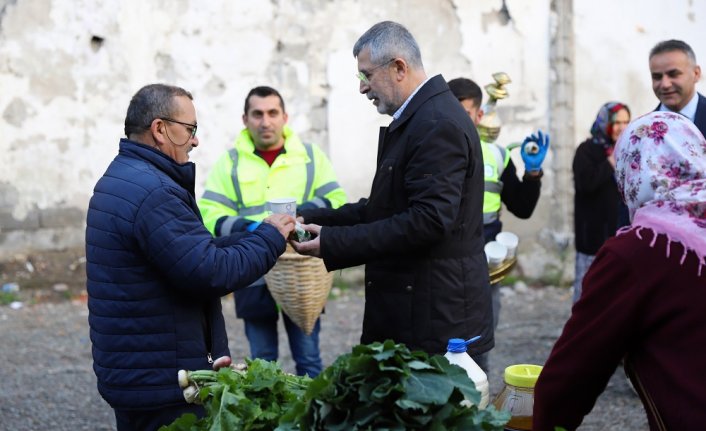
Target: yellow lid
column 522, row 375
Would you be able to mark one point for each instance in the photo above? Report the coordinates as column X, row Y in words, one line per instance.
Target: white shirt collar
column 398, row 113
column 689, row 111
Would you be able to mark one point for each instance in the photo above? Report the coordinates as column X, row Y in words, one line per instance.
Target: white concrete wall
column 612, row 51
column 63, row 97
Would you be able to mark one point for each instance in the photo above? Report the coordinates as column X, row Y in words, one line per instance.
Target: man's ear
column 245, row 119
column 157, row 131
column 697, row 72
column 401, row 68
column 480, row 114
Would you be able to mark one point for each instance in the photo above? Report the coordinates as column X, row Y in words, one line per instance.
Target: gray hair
column 150, row 102
column 674, row 45
column 388, row 40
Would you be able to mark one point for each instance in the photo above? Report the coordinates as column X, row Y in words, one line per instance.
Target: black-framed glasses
column 365, row 76
column 191, row 128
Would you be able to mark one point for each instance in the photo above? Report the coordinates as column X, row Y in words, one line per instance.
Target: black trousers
column 151, row 420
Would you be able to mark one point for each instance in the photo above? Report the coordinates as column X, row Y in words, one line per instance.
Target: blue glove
column 534, row 150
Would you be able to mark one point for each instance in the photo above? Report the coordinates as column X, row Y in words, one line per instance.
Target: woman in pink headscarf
column 644, row 297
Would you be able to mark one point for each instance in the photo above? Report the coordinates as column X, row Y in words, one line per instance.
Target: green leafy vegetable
column 252, row 399
column 386, row 386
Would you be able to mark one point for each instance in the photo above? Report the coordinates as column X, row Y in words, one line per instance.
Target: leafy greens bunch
column 386, row 386
column 251, row 399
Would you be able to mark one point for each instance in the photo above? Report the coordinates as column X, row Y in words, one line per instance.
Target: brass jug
column 489, row 125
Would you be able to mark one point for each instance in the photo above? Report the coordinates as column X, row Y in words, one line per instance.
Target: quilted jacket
column 155, row 278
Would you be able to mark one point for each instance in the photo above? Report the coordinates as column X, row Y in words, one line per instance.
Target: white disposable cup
column 509, row 240
column 283, row 206
column 495, row 252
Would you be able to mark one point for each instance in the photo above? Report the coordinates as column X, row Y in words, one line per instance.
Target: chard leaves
column 385, row 386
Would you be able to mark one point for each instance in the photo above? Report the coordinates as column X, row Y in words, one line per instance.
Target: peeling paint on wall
column 68, row 70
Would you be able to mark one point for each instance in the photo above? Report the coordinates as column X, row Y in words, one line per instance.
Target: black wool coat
column 596, row 198
column 420, row 232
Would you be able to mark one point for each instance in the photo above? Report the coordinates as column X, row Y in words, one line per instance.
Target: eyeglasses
column 365, row 76
column 191, row 128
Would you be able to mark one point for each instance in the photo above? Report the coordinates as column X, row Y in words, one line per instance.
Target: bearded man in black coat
column 420, row 232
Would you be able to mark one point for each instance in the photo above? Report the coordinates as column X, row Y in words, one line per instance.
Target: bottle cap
column 459, row 345
column 522, row 375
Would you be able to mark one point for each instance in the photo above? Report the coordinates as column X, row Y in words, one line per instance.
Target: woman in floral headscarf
column 644, row 296
column 596, row 194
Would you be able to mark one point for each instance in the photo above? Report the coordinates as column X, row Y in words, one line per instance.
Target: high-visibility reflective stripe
column 493, row 187
column 500, row 155
column 326, row 189
column 238, row 204
column 221, row 199
column 257, row 209
column 318, row 202
column 489, row 217
column 227, row 225
column 234, row 176
column 309, row 172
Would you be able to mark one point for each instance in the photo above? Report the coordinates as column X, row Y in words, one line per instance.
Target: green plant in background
column 510, row 279
column 386, row 386
column 345, row 280
column 8, row 297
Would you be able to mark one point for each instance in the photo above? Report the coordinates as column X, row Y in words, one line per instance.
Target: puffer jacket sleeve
column 175, row 240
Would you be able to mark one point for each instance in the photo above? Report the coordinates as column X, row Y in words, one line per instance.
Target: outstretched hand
column 283, row 222
column 534, row 150
column 309, row 248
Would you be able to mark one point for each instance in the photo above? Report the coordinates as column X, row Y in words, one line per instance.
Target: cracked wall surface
column 68, row 70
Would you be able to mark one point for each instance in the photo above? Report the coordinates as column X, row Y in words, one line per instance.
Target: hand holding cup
column 283, row 222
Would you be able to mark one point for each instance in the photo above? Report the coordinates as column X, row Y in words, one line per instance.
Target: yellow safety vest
column 495, row 160
column 241, row 182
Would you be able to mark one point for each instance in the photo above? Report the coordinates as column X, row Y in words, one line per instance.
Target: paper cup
column 283, row 206
column 509, row 240
column 495, row 252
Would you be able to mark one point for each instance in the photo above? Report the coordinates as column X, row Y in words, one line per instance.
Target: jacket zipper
column 649, row 404
column 207, row 334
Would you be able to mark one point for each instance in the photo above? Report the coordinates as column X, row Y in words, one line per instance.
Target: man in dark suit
column 420, row 233
column 674, row 77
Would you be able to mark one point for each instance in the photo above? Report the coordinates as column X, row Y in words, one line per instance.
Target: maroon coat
column 640, row 302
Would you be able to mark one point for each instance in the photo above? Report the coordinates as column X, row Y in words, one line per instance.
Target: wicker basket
column 300, row 285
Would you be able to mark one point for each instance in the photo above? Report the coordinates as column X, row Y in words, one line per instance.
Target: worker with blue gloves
column 502, row 186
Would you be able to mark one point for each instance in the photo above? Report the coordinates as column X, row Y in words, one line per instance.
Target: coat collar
column 183, row 174
column 293, row 146
column 700, row 117
column 433, row 86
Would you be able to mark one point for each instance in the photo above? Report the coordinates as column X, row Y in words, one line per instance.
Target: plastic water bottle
column 456, row 354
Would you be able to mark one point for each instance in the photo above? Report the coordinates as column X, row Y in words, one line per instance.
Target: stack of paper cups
column 495, row 252
column 510, row 241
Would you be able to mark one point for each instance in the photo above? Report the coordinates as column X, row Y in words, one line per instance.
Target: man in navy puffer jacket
column 155, row 274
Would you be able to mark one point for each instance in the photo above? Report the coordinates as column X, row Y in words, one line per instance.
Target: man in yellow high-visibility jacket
column 268, row 161
column 502, row 186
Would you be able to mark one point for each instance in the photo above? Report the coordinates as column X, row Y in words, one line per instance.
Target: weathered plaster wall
column 68, row 70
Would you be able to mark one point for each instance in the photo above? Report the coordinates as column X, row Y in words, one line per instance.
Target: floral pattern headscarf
column 661, row 174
